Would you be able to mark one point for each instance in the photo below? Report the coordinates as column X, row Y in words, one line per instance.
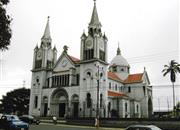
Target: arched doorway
column 75, row 105
column 150, row 107
column 59, row 102
column 45, row 104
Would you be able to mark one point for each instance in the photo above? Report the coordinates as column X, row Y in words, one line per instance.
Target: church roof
column 113, row 76
column 132, row 78
column 116, row 94
column 74, row 59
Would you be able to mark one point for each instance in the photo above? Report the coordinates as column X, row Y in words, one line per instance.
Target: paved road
column 44, row 126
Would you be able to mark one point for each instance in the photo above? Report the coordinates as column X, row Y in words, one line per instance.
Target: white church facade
column 89, row 86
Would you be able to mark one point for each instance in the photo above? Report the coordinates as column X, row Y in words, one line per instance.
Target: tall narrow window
column 35, row 101
column 137, row 108
column 129, row 89
column 116, row 87
column 126, row 107
column 144, row 89
column 109, row 85
column 48, row 83
column 89, row 100
column 53, row 81
column 101, row 100
column 60, row 80
column 68, row 80
column 77, row 78
column 63, row 80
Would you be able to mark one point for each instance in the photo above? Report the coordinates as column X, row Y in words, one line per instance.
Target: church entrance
column 59, row 102
column 45, row 106
column 150, row 109
column 62, row 108
column 75, row 104
column 45, row 109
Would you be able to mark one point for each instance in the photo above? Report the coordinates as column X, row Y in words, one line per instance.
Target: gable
column 63, row 63
column 146, row 78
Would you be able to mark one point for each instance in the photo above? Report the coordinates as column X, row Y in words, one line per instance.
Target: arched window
column 89, row 100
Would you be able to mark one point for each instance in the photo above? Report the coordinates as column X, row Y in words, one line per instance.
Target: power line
column 153, row 57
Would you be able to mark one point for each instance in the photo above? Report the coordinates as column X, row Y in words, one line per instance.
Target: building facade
column 88, row 86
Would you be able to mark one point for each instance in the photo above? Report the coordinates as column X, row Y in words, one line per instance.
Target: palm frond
column 166, row 66
column 166, row 72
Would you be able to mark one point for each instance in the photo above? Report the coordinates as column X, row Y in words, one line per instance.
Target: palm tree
column 172, row 69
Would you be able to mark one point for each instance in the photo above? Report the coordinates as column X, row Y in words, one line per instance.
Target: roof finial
column 65, row 47
column 118, row 50
column 94, row 1
column 144, row 68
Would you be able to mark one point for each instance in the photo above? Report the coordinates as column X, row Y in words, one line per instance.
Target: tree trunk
column 173, row 99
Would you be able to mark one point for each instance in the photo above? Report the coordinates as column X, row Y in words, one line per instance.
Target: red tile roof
column 134, row 78
column 116, row 94
column 74, row 59
column 113, row 76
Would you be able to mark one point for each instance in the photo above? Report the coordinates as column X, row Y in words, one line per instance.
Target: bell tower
column 93, row 66
column 94, row 45
column 43, row 61
column 45, row 56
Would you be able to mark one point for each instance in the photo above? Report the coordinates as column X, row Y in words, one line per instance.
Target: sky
column 147, row 32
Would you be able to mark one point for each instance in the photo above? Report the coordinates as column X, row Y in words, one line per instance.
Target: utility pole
column 98, row 86
column 97, row 110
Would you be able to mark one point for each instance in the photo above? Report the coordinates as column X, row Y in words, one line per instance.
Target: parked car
column 12, row 122
column 142, row 127
column 29, row 119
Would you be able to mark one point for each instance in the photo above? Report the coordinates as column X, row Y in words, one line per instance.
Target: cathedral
column 88, row 86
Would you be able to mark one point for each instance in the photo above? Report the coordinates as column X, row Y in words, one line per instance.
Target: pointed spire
column 46, row 34
column 94, row 18
column 83, row 36
column 104, row 36
column 36, row 48
column 54, row 48
column 118, row 50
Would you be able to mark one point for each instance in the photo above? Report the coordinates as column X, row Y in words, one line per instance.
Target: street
column 44, row 126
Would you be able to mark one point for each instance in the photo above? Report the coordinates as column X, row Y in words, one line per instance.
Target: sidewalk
column 77, row 126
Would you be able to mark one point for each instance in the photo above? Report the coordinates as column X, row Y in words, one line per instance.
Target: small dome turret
column 119, row 59
column 119, row 65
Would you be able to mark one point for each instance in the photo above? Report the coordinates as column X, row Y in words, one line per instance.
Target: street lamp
column 99, row 75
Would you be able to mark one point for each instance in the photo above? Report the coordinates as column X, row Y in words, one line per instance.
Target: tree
column 16, row 101
column 172, row 69
column 5, row 30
